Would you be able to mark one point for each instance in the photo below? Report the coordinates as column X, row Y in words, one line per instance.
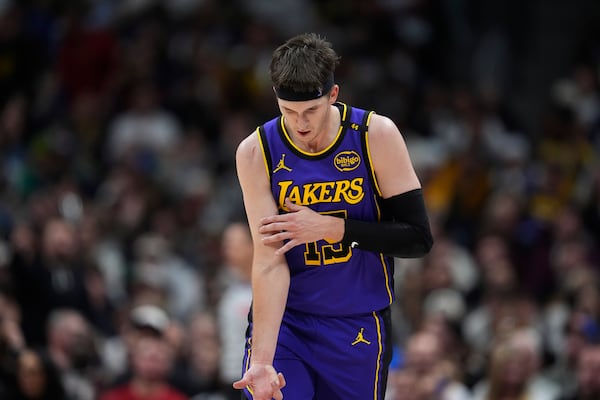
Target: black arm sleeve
column 403, row 232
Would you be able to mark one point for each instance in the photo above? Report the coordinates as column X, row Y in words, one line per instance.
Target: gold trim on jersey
column 344, row 112
column 382, row 258
column 370, row 159
column 291, row 142
column 379, row 352
column 387, row 278
column 264, row 153
column 247, row 364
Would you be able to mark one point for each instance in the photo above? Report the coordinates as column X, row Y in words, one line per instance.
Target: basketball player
column 331, row 196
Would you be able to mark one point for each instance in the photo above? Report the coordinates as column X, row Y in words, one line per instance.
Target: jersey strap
column 355, row 118
column 264, row 144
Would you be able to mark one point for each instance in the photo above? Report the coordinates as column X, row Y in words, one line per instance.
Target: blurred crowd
column 124, row 251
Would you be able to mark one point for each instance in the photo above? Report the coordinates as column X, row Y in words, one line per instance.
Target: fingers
column 264, row 381
column 242, row 383
column 270, row 220
column 276, row 237
column 277, row 394
column 291, row 205
column 280, row 237
column 282, row 250
column 281, row 380
column 271, row 227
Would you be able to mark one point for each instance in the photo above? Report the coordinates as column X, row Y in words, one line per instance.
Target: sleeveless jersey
column 329, row 278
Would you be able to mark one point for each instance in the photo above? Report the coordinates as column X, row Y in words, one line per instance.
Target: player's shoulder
column 249, row 148
column 382, row 127
column 249, row 143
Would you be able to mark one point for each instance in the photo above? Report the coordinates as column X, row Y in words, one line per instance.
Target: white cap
column 150, row 316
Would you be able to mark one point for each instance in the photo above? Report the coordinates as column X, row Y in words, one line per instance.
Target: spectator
column 145, row 129
column 435, row 374
column 12, row 342
column 49, row 279
column 403, row 385
column 157, row 264
column 38, row 378
column 101, row 247
column 234, row 304
column 72, row 348
column 587, row 374
column 87, row 57
column 514, row 371
column 204, row 355
column 151, row 362
column 579, row 331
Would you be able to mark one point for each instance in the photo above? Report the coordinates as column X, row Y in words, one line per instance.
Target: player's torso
column 330, row 278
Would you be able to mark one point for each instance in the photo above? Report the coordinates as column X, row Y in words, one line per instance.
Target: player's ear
column 333, row 93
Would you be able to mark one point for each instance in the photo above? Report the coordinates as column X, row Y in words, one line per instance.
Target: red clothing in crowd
column 126, row 392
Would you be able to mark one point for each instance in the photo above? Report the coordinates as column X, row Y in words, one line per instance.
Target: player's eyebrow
column 311, row 108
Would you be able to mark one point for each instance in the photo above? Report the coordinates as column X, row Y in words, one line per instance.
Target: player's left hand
column 263, row 381
column 300, row 225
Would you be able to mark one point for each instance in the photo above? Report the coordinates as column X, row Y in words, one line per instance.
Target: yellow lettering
column 351, row 192
column 356, row 194
column 326, row 191
column 295, row 195
column 340, row 188
column 284, row 185
column 310, row 197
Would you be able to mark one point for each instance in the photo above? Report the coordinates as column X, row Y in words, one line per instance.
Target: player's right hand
column 263, row 382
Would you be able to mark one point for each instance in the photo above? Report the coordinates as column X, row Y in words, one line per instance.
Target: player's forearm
column 396, row 239
column 404, row 233
column 270, row 288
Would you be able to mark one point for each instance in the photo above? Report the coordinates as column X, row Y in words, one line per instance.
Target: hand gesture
column 300, row 225
column 263, row 381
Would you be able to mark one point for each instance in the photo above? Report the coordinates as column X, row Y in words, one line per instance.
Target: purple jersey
column 328, row 278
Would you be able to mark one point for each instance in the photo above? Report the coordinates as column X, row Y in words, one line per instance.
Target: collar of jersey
column 343, row 114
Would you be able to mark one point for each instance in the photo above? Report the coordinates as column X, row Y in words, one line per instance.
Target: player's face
column 308, row 121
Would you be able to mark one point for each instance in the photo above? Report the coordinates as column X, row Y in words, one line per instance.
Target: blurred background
column 124, row 253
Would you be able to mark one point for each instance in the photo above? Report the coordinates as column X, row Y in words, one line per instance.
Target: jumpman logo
column 360, row 338
column 281, row 165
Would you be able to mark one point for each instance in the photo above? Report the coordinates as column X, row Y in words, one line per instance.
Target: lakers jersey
column 330, row 278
